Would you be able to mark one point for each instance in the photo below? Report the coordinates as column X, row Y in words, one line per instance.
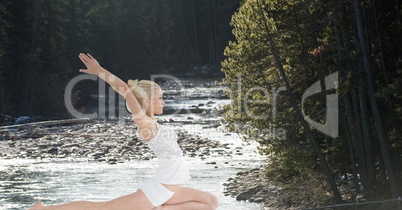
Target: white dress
column 172, row 170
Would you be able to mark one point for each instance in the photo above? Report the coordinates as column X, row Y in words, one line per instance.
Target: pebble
column 251, row 186
column 113, row 142
column 110, row 141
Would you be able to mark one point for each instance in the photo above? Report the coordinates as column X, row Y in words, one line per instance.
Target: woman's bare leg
column 73, row 205
column 188, row 198
column 134, row 201
column 186, row 206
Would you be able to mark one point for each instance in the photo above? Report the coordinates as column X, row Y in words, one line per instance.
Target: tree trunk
column 309, row 134
column 181, row 22
column 33, row 56
column 383, row 67
column 351, row 153
column 293, row 102
column 349, row 113
column 196, row 43
column 353, row 134
column 373, row 100
column 366, row 136
column 360, row 145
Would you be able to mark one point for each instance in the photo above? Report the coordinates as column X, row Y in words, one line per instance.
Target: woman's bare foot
column 37, row 206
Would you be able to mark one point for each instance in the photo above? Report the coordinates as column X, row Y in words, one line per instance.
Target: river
column 60, row 180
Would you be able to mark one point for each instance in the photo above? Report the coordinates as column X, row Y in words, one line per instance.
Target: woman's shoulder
column 147, row 128
column 145, row 121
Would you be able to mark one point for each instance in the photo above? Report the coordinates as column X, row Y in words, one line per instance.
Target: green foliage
column 43, row 38
column 201, row 32
column 133, row 38
column 250, row 65
column 291, row 165
column 313, row 39
column 3, row 43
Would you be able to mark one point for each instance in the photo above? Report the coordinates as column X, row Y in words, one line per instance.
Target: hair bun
column 132, row 84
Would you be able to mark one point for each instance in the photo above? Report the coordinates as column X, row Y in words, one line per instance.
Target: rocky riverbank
column 254, row 186
column 109, row 141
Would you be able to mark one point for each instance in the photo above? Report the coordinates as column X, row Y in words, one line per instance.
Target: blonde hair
column 141, row 89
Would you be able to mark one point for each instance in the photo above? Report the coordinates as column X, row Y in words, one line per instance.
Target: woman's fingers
column 87, row 58
column 90, row 62
column 79, row 56
column 91, row 56
column 83, row 58
column 93, row 59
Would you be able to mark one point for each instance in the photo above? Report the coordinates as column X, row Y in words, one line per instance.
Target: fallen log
column 46, row 123
column 6, row 116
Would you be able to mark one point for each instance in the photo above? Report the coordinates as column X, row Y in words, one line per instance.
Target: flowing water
column 53, row 181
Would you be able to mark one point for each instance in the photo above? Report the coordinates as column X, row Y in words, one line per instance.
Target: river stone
column 244, row 196
column 53, row 151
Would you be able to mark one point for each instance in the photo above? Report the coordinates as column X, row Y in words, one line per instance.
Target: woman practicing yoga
column 163, row 191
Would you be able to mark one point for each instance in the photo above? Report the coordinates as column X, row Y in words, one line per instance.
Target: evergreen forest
column 41, row 40
column 350, row 53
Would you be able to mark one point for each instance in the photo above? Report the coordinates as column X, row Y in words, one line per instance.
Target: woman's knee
column 213, row 202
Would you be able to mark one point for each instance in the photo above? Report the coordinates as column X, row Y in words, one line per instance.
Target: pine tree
column 308, row 40
column 4, row 24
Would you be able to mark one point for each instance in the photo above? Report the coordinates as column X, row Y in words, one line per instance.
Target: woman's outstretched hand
column 91, row 63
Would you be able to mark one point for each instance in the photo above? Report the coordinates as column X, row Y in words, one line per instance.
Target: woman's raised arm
column 93, row 67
